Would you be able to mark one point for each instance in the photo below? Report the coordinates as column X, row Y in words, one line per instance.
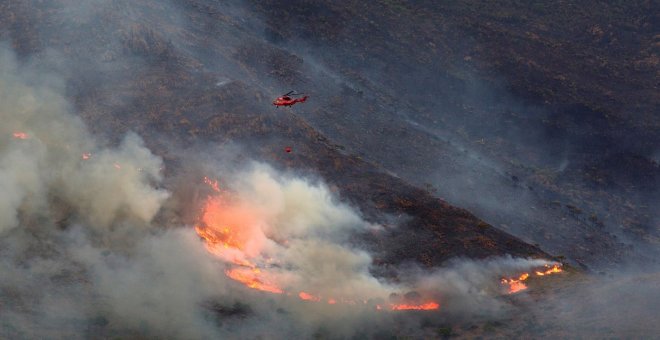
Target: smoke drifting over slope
column 111, row 186
column 81, row 255
column 298, row 223
column 440, row 113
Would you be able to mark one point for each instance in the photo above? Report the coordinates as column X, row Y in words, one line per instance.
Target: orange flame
column 551, row 270
column 218, row 238
column 425, row 306
column 252, row 279
column 517, row 284
column 230, row 231
column 20, row 135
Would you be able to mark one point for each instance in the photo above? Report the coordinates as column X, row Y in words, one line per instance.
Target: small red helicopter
column 287, row 100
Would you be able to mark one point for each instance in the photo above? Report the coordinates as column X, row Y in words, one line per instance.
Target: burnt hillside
column 145, row 81
column 538, row 118
column 541, row 118
column 460, row 169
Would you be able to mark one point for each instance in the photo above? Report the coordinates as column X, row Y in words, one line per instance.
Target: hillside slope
column 132, row 71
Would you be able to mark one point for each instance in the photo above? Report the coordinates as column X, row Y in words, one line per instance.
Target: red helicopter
column 287, row 100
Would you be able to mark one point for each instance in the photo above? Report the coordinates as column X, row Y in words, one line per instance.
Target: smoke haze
column 81, row 254
column 95, row 239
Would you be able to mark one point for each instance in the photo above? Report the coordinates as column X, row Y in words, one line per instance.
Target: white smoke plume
column 56, row 157
column 467, row 287
column 307, row 229
column 54, row 175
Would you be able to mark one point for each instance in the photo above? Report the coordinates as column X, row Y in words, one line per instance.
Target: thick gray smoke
column 80, row 255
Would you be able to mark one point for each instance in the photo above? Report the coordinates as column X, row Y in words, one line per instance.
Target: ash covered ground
column 448, row 155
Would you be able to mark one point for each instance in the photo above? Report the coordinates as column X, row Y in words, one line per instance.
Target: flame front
column 251, row 277
column 518, row 284
column 231, row 232
column 550, row 270
column 425, row 306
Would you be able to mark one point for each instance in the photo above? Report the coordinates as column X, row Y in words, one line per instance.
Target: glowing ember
column 425, row 306
column 20, row 135
column 212, row 183
column 332, row 301
column 86, row 156
column 308, row 297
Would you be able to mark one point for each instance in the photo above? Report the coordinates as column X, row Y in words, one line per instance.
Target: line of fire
column 223, row 229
